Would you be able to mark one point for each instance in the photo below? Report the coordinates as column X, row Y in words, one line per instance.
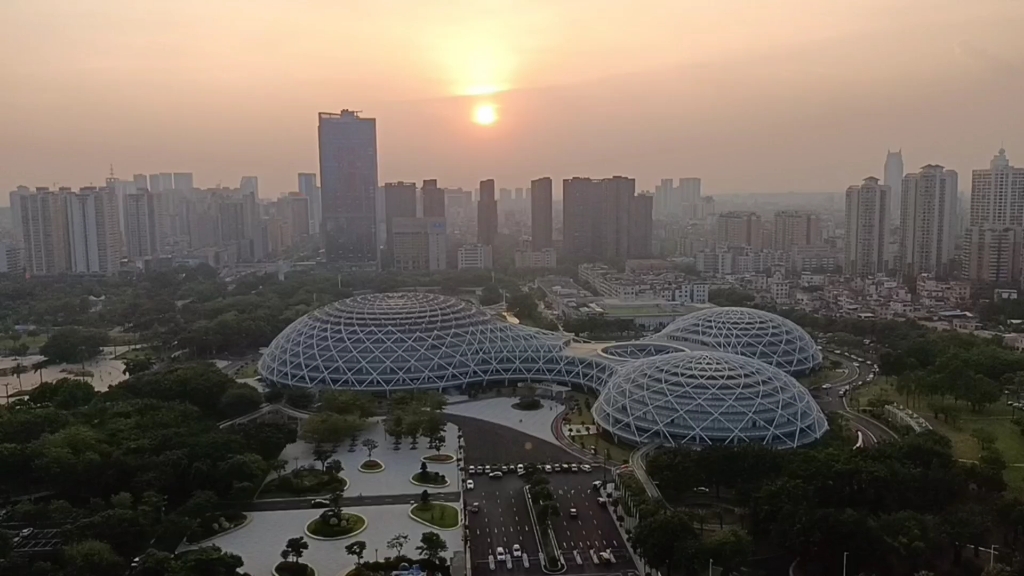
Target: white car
column 517, row 552
column 499, row 554
column 520, row 469
column 470, row 485
column 547, row 467
column 494, row 474
column 585, row 467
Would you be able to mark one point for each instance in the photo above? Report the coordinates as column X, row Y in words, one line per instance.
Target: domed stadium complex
column 701, row 398
column 388, row 342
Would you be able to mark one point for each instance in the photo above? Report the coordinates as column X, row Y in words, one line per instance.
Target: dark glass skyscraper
column 348, row 187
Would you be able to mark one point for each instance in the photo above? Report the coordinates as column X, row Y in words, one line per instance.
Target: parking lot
column 503, row 520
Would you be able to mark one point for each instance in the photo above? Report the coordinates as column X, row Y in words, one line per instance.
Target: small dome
column 703, row 398
column 750, row 333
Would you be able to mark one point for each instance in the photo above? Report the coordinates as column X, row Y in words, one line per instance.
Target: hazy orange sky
column 750, row 95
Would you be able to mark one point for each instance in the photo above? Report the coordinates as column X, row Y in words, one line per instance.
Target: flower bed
column 294, row 569
column 430, row 479
column 351, row 524
column 371, row 466
column 215, row 525
column 442, row 458
column 437, row 515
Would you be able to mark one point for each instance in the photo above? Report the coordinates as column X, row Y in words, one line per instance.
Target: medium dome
column 702, row 398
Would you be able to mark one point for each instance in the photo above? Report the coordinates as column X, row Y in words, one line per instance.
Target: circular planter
column 310, row 572
column 435, row 527
column 449, row 458
column 446, row 484
column 346, row 536
column 371, row 470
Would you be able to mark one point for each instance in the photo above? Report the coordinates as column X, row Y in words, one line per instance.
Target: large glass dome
column 751, row 333
column 403, row 340
column 702, row 398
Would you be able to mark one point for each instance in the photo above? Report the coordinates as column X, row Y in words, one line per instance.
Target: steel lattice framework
column 702, row 398
column 397, row 341
column 750, row 333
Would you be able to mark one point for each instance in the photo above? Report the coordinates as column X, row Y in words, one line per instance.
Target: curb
column 248, row 519
column 435, row 527
column 446, row 484
column 366, row 524
column 452, row 461
column 378, row 471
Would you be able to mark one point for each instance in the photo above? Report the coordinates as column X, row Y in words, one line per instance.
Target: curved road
column 829, row 401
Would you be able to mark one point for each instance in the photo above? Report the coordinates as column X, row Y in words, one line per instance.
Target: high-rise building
column 927, row 221
column 94, row 231
column 475, row 256
column 348, row 186
column 399, row 202
column 739, row 228
column 141, row 182
column 44, row 229
column 433, row 200
column 796, row 228
column 293, row 209
column 418, row 244
column 250, row 185
column 992, row 253
column 541, row 215
column 309, row 189
column 672, row 202
column 596, row 217
column 641, row 226
column 183, row 181
column 993, row 241
column 160, row 182
column 140, row 225
column 10, row 258
column 893, row 178
column 486, row 214
column 867, row 207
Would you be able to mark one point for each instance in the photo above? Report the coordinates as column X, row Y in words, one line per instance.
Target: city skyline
column 698, row 102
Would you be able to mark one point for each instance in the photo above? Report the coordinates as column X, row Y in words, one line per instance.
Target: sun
column 485, row 114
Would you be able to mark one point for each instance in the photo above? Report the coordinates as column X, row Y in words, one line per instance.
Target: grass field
column 34, row 342
column 994, row 418
column 437, row 513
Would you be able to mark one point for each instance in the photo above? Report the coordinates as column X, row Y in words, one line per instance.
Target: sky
column 750, row 95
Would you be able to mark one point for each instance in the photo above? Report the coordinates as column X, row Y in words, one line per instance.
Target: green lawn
column 34, row 342
column 353, row 524
column 249, row 371
column 617, row 452
column 437, row 513
column 303, row 482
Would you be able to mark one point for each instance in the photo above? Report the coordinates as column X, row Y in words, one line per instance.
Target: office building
column 927, row 221
column 399, row 202
column 867, row 217
column 94, row 232
column 160, row 182
column 140, row 225
column 475, row 257
column 541, row 214
column 641, row 226
column 183, row 181
column 486, row 214
column 348, row 187
column 293, row 210
column 795, row 228
column 596, row 218
column 250, row 185
column 543, row 258
column 418, row 244
column 433, row 200
column 44, row 226
column 141, row 181
column 309, row 189
column 739, row 229
column 893, row 178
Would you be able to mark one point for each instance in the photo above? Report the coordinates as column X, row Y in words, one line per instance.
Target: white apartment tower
column 867, row 207
column 94, row 231
column 995, row 235
column 44, row 225
column 927, row 221
column 140, row 225
column 893, row 178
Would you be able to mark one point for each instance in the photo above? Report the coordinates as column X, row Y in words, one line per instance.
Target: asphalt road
column 490, row 443
column 347, row 502
column 829, row 401
column 503, row 520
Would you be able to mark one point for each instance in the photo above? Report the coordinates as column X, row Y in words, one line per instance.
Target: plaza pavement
column 261, row 541
column 499, row 410
column 399, row 465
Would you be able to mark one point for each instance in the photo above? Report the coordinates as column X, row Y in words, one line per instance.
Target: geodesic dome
column 702, row 398
column 404, row 340
column 750, row 333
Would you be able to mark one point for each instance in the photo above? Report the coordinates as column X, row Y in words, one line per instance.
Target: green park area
column 605, row 447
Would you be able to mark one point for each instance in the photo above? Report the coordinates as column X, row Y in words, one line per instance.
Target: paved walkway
column 499, row 410
column 347, row 502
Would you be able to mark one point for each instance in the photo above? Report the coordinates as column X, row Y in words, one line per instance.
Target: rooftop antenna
column 112, row 170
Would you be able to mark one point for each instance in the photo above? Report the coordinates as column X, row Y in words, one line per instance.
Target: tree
column 19, row 350
column 432, row 546
column 335, row 500
column 397, row 542
column 984, row 437
column 17, row 370
column 490, row 295
column 322, row 454
column 328, row 428
column 728, row 549
column 72, row 345
column 424, row 498
column 348, row 403
column 65, row 393
column 370, row 444
column 294, row 548
column 279, row 466
column 138, row 365
column 356, row 549
column 92, row 558
column 240, row 400
column 665, row 540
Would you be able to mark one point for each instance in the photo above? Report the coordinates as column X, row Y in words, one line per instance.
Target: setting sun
column 485, row 114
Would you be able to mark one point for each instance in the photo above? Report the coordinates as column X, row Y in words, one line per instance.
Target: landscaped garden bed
column 334, row 525
column 437, row 515
column 430, row 479
column 442, row 458
column 303, row 482
column 215, row 524
column 371, row 465
column 294, row 569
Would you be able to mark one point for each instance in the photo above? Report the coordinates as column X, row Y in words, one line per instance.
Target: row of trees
column 895, row 509
column 142, row 462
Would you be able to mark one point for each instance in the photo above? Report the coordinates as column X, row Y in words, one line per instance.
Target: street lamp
column 992, row 555
column 845, row 554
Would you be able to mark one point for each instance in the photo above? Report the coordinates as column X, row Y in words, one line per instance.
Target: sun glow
column 485, row 114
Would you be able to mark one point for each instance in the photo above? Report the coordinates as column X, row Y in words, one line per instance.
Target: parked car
column 470, row 485
column 487, row 469
column 517, row 552
column 504, row 467
column 494, row 474
column 558, row 467
column 574, row 468
column 475, row 507
column 471, row 470
column 597, row 484
column 701, row 490
column 547, row 468
column 585, row 467
column 573, row 513
column 319, row 503
column 500, row 554
column 520, row 469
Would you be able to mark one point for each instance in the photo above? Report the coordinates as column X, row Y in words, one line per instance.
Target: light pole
column 992, row 555
column 845, row 554
column 710, row 566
